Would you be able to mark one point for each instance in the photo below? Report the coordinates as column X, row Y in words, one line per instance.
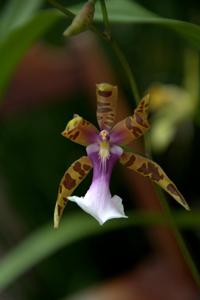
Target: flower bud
column 82, row 20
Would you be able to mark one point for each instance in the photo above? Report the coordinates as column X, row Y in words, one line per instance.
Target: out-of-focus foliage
column 16, row 13
column 131, row 12
column 174, row 108
column 18, row 30
column 76, row 227
column 33, row 156
column 28, row 30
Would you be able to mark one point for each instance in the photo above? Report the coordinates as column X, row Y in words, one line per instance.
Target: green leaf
column 17, row 13
column 128, row 12
column 125, row 11
column 43, row 243
column 15, row 45
column 73, row 228
column 131, row 12
column 118, row 11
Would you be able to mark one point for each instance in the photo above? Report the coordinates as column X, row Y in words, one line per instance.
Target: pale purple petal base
column 98, row 201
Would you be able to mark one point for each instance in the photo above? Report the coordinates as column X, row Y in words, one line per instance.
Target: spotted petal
column 133, row 126
column 71, row 179
column 80, row 131
column 153, row 171
column 106, row 105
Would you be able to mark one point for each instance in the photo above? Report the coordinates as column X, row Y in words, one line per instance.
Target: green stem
column 105, row 16
column 123, row 61
column 180, row 241
column 60, row 7
column 106, row 36
column 119, row 53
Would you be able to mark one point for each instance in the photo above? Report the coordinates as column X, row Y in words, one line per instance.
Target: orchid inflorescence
column 104, row 148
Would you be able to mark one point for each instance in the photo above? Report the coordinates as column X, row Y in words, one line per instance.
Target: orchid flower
column 104, row 149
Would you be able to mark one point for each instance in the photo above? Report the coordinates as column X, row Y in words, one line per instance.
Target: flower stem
column 119, row 53
column 122, row 59
column 105, row 16
column 180, row 241
column 107, row 37
column 60, row 7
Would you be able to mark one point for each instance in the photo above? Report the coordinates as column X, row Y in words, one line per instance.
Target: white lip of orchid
column 98, row 201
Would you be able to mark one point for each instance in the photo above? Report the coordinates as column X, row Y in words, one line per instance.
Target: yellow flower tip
column 63, row 133
column 56, row 220
column 56, row 226
column 147, row 98
column 105, row 87
column 159, row 96
column 184, row 203
column 72, row 124
column 187, row 207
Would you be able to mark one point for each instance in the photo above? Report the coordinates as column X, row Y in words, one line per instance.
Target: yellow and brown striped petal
column 80, row 131
column 153, row 171
column 71, row 179
column 106, row 105
column 133, row 126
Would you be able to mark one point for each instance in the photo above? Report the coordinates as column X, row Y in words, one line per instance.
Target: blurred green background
column 44, row 81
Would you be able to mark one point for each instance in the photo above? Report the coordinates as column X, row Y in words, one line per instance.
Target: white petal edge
column 113, row 209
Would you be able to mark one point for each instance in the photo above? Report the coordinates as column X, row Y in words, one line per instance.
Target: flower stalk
column 119, row 53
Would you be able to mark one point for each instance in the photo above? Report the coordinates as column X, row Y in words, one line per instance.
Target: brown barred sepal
column 106, row 105
column 71, row 179
column 80, row 131
column 133, row 126
column 153, row 171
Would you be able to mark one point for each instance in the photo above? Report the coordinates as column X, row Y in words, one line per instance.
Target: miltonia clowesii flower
column 104, row 148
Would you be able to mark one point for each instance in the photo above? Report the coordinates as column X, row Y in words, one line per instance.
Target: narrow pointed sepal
column 133, row 126
column 71, row 179
column 106, row 105
column 82, row 20
column 153, row 171
column 80, row 131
